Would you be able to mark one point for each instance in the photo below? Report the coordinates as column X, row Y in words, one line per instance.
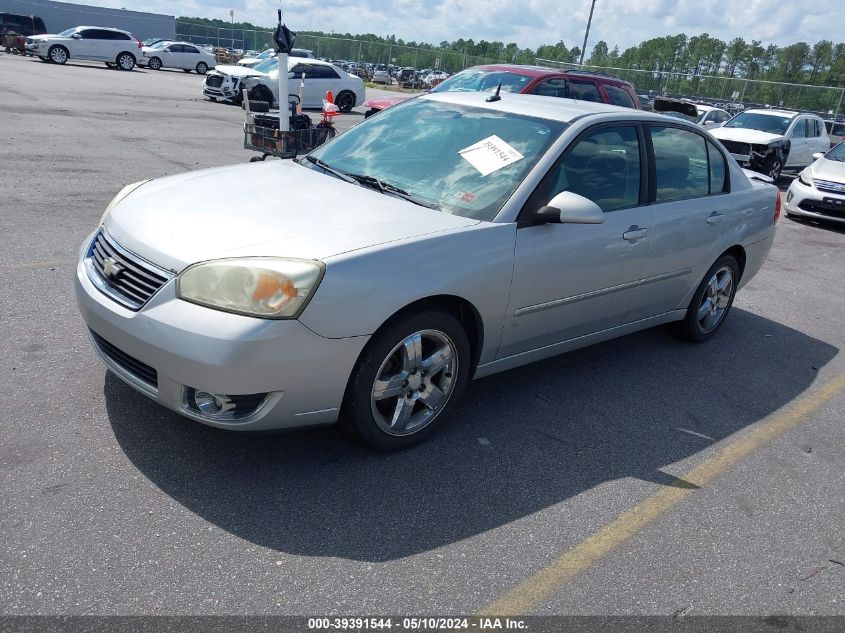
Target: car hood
column 830, row 170
column 745, row 135
column 273, row 208
column 236, row 71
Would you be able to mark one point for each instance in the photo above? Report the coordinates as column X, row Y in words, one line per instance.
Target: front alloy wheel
column 58, row 55
column 414, row 382
column 154, row 63
column 408, row 378
column 202, row 68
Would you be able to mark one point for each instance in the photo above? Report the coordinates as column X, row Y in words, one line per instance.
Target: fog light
column 210, row 403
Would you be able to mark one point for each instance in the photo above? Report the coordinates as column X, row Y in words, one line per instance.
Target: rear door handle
column 634, row 233
column 715, row 217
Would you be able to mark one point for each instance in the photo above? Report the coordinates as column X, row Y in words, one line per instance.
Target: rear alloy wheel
column 58, row 54
column 409, row 376
column 202, row 68
column 712, row 301
column 154, row 63
column 345, row 101
column 125, row 61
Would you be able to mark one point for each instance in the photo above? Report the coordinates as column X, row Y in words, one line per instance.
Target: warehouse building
column 59, row 16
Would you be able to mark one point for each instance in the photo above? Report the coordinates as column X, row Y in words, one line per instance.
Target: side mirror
column 291, row 75
column 76, row 36
column 818, row 155
column 570, row 208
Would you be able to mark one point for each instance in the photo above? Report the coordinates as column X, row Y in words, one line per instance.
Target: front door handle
column 715, row 217
column 634, row 233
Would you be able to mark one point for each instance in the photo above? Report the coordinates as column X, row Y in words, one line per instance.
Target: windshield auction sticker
column 490, row 154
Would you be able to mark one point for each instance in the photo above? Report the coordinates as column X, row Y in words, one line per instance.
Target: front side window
column 603, row 166
column 681, row 165
column 459, row 159
column 619, row 97
column 90, row 34
column 800, row 129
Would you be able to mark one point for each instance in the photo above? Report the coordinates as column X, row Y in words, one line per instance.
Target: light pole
column 232, row 17
column 587, row 33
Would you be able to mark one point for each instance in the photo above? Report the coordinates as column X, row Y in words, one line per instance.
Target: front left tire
column 408, row 379
column 154, row 63
column 202, row 68
column 58, row 54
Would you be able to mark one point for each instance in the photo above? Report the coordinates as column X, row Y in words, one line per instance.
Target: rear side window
column 603, row 166
column 718, row 168
column 584, row 90
column 619, row 97
column 681, row 165
column 189, row 49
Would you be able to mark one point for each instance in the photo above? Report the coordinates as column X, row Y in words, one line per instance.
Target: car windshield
column 459, row 159
column 771, row 123
column 478, row 79
column 161, row 44
column 267, row 66
column 837, row 153
column 68, row 32
column 265, row 55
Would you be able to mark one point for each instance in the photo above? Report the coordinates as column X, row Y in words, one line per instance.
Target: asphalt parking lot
column 640, row 476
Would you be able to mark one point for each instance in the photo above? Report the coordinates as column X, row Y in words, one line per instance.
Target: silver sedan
column 454, row 236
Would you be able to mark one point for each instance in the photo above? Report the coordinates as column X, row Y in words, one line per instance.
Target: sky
column 529, row 23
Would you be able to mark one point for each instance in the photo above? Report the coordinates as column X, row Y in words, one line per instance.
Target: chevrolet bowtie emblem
column 110, row 268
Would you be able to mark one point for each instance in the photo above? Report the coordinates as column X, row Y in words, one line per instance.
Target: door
column 190, row 57
column 799, row 150
column 87, row 46
column 690, row 213
column 574, row 279
column 318, row 80
column 171, row 57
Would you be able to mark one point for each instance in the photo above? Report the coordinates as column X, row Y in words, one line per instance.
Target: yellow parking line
column 537, row 588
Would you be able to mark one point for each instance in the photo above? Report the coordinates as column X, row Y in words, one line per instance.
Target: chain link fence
column 824, row 100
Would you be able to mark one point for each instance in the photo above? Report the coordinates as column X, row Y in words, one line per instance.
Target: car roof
column 544, row 71
column 102, row 28
column 552, row 108
column 773, row 112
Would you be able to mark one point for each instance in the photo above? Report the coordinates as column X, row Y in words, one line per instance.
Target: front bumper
column 809, row 202
column 228, row 90
column 189, row 347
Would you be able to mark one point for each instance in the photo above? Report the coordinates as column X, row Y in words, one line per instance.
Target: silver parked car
column 451, row 237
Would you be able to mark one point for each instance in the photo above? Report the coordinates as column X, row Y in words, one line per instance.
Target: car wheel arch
column 462, row 309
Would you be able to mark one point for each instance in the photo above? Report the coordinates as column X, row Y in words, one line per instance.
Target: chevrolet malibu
column 454, row 236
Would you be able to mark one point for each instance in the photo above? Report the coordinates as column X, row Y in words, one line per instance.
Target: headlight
column 804, row 178
column 264, row 287
column 120, row 196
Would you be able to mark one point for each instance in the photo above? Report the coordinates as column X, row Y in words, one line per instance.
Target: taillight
column 138, row 39
column 778, row 202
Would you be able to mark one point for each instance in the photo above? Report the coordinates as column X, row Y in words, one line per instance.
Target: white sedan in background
column 262, row 83
column 252, row 62
column 182, row 55
column 819, row 191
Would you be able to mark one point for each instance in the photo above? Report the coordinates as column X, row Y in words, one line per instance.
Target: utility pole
column 587, row 33
column 232, row 16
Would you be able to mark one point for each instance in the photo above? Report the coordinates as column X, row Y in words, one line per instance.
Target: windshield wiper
column 326, row 167
column 387, row 188
column 369, row 181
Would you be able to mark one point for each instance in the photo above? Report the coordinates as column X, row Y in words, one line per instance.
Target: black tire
column 345, row 101
column 692, row 328
column 58, row 54
column 154, row 63
column 261, row 93
column 125, row 61
column 201, row 68
column 357, row 415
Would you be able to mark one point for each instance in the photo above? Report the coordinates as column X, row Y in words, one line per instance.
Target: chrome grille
column 125, row 277
column 214, row 81
column 828, row 185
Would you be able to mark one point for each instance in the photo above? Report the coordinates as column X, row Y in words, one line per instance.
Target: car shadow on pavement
column 521, row 441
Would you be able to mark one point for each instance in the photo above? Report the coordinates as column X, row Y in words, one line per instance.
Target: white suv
column 112, row 46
